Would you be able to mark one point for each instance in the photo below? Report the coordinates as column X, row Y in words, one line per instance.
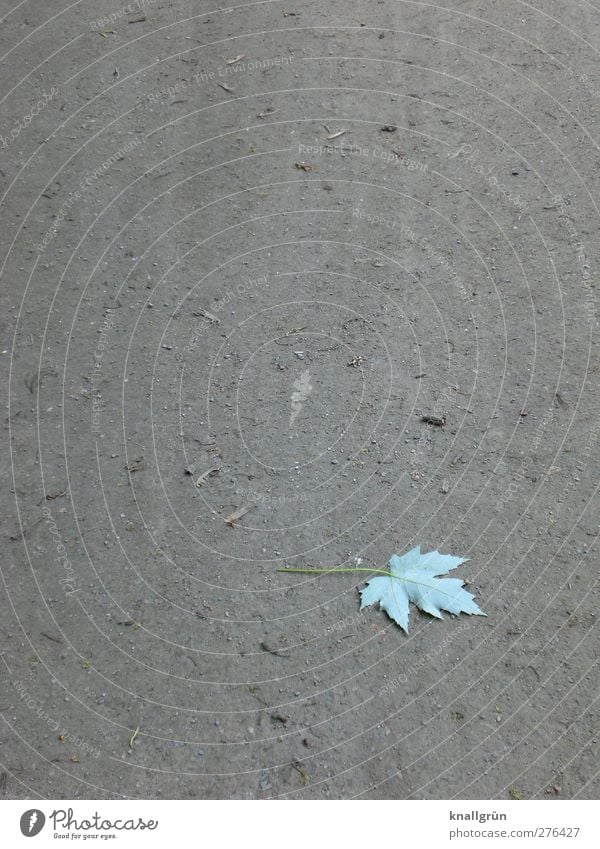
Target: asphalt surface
column 245, row 250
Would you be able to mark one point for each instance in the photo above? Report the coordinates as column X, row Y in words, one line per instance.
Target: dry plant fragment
column 201, row 479
column 237, row 514
column 133, row 736
column 438, row 421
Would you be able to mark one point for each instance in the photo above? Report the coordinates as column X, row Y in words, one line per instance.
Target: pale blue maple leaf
column 413, row 578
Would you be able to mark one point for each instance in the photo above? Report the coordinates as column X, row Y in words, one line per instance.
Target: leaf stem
column 335, row 569
column 433, row 587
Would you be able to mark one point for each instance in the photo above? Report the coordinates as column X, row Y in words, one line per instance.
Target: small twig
column 50, row 637
column 289, row 333
column 303, row 773
column 52, row 495
column 133, row 736
column 202, row 478
column 206, row 314
column 237, row 514
column 266, row 647
column 438, row 421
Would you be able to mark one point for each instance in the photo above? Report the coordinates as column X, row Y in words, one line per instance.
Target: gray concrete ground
column 258, row 243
